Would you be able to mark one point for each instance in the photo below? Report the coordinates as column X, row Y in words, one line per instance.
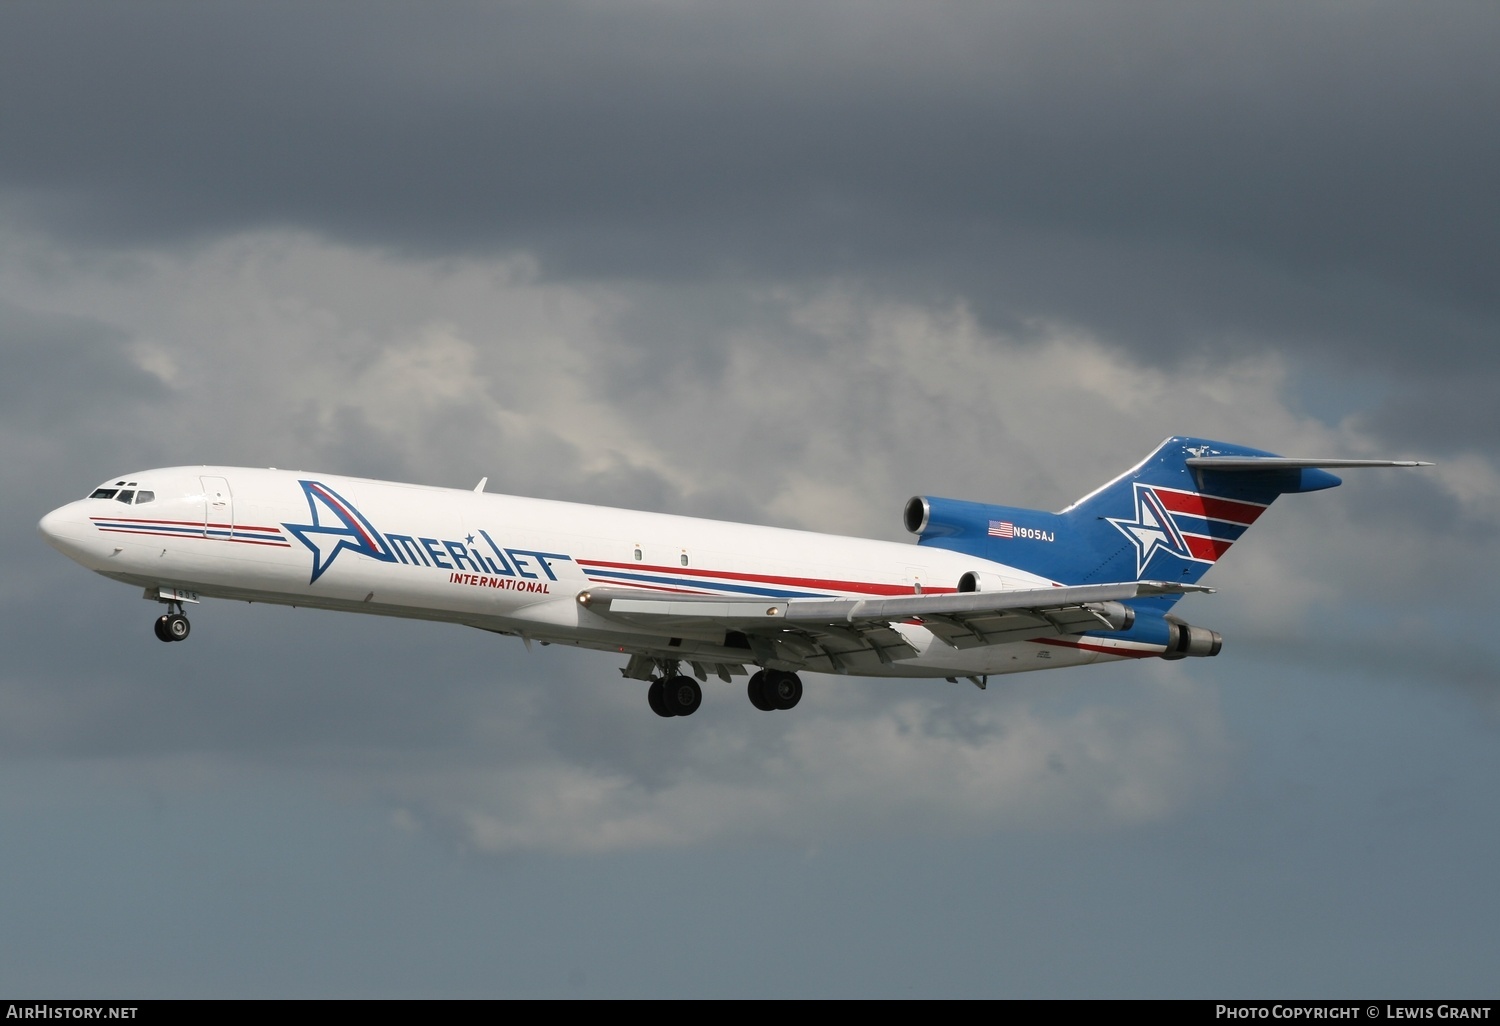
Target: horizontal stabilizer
column 1289, row 463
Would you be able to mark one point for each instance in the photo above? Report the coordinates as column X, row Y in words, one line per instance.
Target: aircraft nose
column 59, row 527
column 69, row 530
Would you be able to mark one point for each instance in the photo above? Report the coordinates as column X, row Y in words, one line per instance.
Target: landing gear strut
column 774, row 689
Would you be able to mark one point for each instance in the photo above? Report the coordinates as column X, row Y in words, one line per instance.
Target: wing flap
column 837, row 632
column 974, row 631
column 631, row 604
column 904, row 607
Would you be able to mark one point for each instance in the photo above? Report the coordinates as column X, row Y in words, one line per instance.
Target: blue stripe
column 193, row 532
column 740, row 589
column 190, row 532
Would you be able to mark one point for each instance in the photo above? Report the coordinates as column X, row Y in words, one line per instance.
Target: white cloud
column 848, row 766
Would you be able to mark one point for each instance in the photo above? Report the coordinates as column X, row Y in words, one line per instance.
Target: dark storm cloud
column 1319, row 178
column 99, row 377
column 1452, row 404
column 74, row 408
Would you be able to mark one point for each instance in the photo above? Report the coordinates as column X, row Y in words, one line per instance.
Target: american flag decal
column 1002, row 529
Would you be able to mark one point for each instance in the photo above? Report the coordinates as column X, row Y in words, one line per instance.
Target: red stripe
column 349, row 517
column 1206, row 548
column 273, row 542
column 804, row 582
column 184, row 523
column 1209, row 506
column 635, row 586
column 1123, row 652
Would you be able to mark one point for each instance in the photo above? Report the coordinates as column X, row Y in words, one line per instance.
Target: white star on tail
column 1151, row 531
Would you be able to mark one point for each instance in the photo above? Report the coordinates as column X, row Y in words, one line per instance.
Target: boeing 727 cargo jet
column 986, row 589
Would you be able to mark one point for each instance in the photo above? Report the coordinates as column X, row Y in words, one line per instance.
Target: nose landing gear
column 172, row 625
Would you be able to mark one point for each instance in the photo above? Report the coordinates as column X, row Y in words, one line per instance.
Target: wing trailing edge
column 794, row 632
column 684, row 610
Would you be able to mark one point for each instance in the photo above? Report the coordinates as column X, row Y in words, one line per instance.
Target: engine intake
column 980, row 580
column 916, row 514
column 1118, row 615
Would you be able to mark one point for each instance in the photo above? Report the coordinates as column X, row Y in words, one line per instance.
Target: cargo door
column 218, row 508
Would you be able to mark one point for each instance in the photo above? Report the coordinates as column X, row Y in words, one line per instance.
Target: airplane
column 986, row 590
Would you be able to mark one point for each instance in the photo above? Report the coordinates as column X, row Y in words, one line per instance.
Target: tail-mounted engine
column 1183, row 640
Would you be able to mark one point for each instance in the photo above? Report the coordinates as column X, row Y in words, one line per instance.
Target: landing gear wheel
column 757, row 692
column 657, row 696
column 682, row 695
column 783, row 690
column 161, row 628
column 175, row 626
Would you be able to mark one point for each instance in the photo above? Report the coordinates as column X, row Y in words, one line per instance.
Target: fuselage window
column 103, row 493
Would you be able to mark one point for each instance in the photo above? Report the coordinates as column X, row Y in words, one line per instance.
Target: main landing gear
column 173, row 626
column 677, row 695
column 774, row 689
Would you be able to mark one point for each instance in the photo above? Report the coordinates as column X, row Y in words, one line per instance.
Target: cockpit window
column 127, row 495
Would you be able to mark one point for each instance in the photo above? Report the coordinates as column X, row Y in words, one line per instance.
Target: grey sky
column 1312, row 138
column 786, row 264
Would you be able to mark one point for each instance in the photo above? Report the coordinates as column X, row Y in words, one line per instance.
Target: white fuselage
column 501, row 563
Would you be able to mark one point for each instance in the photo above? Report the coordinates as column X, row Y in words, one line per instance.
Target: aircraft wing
column 814, row 631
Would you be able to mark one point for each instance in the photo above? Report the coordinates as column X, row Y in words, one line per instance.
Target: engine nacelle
column 1178, row 638
column 932, row 518
column 917, row 513
column 981, row 580
column 1119, row 616
column 1183, row 640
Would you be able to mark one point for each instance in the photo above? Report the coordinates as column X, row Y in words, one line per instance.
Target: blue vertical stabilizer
column 1169, row 518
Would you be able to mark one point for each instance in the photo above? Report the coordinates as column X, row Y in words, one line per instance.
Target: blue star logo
column 336, row 526
column 1152, row 530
